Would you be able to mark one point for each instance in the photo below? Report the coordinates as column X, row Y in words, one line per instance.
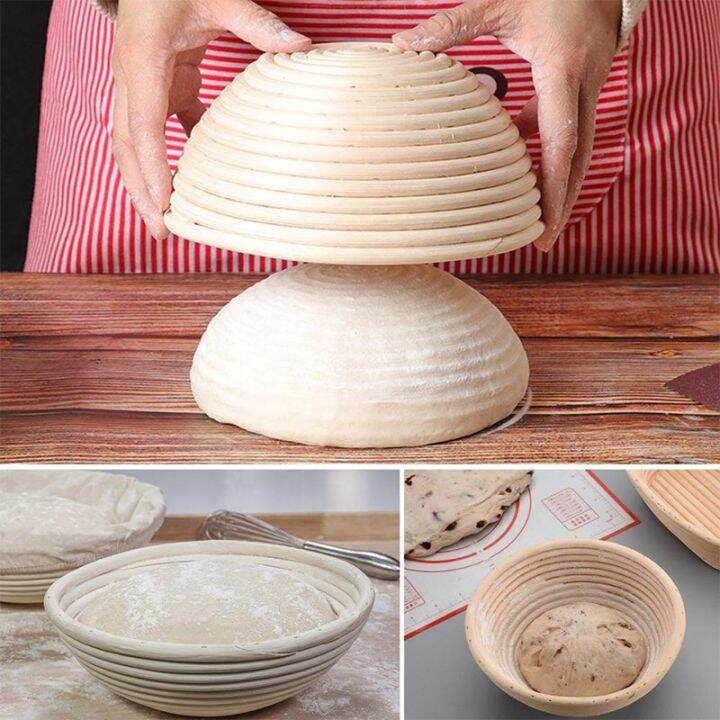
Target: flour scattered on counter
column 40, row 681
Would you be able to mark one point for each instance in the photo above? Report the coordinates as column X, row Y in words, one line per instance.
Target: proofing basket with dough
column 687, row 503
column 211, row 680
column 551, row 574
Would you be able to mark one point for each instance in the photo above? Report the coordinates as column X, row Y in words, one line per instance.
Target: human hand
column 158, row 48
column 570, row 45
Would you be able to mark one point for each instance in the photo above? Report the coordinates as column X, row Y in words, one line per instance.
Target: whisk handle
column 375, row 564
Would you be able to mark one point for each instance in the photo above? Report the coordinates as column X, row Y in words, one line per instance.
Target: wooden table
column 39, row 679
column 95, row 369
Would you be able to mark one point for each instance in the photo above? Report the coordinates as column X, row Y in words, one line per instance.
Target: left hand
column 570, row 45
column 156, row 63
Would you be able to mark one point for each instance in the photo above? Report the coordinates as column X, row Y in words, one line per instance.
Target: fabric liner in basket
column 123, row 513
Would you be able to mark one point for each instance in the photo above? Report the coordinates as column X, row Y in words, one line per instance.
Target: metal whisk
column 226, row 525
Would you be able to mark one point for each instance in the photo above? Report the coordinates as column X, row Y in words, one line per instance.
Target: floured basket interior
column 356, row 153
column 52, row 521
column 210, row 628
column 444, row 506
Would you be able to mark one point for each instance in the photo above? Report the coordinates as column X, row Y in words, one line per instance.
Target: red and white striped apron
column 650, row 202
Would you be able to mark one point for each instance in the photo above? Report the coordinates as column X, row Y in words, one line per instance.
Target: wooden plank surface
column 121, row 437
column 95, row 369
column 598, row 376
column 181, row 305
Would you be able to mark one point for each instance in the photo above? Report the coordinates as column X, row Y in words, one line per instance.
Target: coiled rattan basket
column 211, row 680
column 687, row 503
column 356, row 153
column 551, row 574
column 27, row 588
column 35, row 550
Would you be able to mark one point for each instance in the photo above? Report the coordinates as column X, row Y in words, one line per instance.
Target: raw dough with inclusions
column 444, row 506
column 356, row 153
column 360, row 357
column 209, row 601
column 581, row 650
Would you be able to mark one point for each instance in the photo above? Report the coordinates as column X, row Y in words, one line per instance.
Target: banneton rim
column 27, row 588
column 556, row 573
column 206, row 680
column 356, row 153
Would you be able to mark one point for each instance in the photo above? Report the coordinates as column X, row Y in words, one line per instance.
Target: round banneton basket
column 687, row 503
column 211, row 680
column 356, row 153
column 551, row 574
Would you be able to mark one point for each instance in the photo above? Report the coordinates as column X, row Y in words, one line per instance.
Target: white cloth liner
column 62, row 519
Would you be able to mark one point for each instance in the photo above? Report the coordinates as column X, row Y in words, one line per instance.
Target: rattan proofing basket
column 687, row 503
column 211, row 680
column 550, row 574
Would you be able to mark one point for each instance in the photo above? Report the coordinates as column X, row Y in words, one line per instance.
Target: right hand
column 156, row 57
column 570, row 47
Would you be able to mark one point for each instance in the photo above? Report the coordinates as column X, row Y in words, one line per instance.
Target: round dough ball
column 360, row 357
column 581, row 650
column 214, row 601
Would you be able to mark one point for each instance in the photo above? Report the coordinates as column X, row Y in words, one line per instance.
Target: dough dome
column 360, row 357
column 209, row 602
column 581, row 650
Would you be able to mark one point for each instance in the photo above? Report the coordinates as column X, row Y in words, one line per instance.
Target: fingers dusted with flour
column 156, row 57
column 570, row 46
column 257, row 26
column 454, row 27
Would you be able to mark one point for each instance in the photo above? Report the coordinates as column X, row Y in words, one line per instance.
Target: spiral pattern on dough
column 356, row 153
column 360, row 357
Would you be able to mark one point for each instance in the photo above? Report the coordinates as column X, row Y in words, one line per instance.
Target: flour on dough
column 209, row 601
column 346, row 356
column 444, row 506
column 581, row 650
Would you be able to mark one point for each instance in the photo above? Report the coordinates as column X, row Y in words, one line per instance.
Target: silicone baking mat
column 558, row 504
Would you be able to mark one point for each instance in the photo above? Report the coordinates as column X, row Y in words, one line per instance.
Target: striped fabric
column 650, row 202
